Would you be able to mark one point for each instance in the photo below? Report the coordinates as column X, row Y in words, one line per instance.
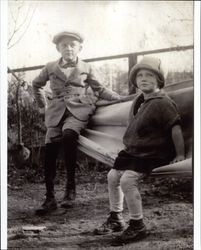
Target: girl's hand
column 178, row 158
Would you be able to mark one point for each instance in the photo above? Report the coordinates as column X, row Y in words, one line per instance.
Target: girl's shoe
column 114, row 223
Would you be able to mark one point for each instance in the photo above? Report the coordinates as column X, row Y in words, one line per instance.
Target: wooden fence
column 132, row 59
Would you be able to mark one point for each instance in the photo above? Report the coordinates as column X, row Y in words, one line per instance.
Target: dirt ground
column 168, row 214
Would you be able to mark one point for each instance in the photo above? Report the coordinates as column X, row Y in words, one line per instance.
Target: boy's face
column 69, row 48
column 146, row 81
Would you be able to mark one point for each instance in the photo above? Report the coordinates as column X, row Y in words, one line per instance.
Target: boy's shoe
column 114, row 223
column 131, row 234
column 49, row 205
column 69, row 198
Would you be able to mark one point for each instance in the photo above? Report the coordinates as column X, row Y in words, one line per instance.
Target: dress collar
column 159, row 94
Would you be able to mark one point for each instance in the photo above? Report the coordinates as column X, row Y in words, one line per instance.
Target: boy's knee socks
column 51, row 153
column 70, row 154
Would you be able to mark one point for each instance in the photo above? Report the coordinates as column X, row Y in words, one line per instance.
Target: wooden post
column 132, row 60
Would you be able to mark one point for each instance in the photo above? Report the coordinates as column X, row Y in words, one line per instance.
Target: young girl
column 153, row 138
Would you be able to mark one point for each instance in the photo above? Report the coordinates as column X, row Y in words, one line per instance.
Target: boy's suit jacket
column 78, row 93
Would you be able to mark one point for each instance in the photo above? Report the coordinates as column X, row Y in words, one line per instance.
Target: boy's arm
column 103, row 92
column 178, row 141
column 37, row 84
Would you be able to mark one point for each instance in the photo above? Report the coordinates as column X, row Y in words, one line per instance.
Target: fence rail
column 132, row 60
column 129, row 56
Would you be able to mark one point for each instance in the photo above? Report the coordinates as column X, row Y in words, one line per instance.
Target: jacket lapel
column 77, row 71
column 74, row 74
column 58, row 72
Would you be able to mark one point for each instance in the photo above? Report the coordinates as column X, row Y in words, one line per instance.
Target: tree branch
column 23, row 22
column 23, row 32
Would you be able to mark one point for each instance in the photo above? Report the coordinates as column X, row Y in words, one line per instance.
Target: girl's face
column 146, row 81
column 69, row 48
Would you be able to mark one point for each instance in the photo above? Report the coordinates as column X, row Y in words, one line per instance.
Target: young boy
column 75, row 90
column 153, row 138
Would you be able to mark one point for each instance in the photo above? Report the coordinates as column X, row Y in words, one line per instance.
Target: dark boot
column 135, row 231
column 48, row 206
column 51, row 152
column 114, row 223
column 70, row 155
column 69, row 198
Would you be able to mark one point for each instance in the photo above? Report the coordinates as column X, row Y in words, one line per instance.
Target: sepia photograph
column 98, row 125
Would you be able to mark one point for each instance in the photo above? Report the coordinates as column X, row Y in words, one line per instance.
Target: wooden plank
column 179, row 168
column 94, row 150
column 179, row 85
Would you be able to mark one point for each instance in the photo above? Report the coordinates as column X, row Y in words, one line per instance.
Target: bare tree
column 21, row 16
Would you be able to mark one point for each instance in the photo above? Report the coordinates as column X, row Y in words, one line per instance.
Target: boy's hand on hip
column 42, row 111
column 116, row 97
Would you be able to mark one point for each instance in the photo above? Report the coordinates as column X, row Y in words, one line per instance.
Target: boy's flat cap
column 60, row 35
